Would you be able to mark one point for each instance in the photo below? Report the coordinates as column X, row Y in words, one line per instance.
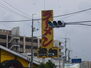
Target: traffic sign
column 78, row 60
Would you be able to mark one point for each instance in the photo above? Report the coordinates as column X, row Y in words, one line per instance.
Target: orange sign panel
column 47, row 32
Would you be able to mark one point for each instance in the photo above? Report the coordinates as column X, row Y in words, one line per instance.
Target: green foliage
column 42, row 65
column 48, row 64
column 59, row 43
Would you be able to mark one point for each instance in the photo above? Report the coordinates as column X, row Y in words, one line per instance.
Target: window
column 3, row 36
column 28, row 39
column 35, row 40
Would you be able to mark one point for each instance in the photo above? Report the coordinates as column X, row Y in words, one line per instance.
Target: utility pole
column 69, row 55
column 31, row 63
column 65, row 57
column 65, row 49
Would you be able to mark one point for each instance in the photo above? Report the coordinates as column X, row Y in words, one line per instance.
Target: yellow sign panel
column 48, row 53
column 47, row 32
column 42, row 52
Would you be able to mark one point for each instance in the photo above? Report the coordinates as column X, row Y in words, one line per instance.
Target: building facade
column 86, row 64
column 10, row 41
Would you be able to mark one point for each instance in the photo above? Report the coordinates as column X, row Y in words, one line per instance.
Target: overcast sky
column 79, row 36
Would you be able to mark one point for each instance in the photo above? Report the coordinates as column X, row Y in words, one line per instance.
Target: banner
column 47, row 32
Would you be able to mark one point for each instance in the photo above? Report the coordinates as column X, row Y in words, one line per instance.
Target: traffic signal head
column 60, row 23
column 55, row 24
column 51, row 24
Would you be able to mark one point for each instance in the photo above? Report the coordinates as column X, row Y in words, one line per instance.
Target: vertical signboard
column 47, row 32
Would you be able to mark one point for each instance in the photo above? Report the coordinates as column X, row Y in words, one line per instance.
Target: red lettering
column 47, row 29
column 47, row 43
column 46, row 39
column 47, row 15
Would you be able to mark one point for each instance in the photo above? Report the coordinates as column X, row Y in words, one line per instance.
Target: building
column 86, row 64
column 8, row 40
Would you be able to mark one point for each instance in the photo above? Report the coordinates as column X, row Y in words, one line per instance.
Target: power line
column 81, row 24
column 54, row 16
column 39, row 18
column 8, row 8
column 84, row 10
column 3, row 6
column 78, row 22
column 85, row 24
column 74, row 12
column 17, row 21
column 16, row 8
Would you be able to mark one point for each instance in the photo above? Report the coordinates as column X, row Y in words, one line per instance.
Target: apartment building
column 23, row 42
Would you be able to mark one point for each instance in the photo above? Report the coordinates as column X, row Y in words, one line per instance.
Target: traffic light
column 42, row 52
column 56, row 24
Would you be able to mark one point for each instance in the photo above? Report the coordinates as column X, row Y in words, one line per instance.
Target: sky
column 78, row 36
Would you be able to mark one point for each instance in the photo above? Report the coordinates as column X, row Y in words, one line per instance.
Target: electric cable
column 16, row 21
column 8, row 8
column 84, row 10
column 80, row 24
column 54, row 16
column 80, row 11
column 10, row 5
column 84, row 24
column 77, row 22
column 40, row 18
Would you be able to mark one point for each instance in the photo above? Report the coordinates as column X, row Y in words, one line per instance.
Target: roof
column 19, row 54
column 15, row 53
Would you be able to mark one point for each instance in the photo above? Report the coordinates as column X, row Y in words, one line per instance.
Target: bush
column 48, row 64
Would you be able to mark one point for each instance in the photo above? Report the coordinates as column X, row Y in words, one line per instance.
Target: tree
column 48, row 64
column 42, row 65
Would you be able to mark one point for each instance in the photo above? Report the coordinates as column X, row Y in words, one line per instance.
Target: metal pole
column 65, row 50
column 63, row 64
column 31, row 63
column 59, row 64
column 7, row 40
column 68, row 55
column 24, row 48
column 64, row 59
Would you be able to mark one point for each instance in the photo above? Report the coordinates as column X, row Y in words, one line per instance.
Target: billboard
column 47, row 32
